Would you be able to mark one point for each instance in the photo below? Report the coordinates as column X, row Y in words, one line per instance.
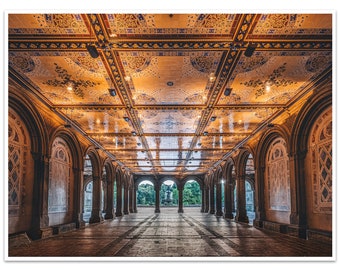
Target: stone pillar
column 126, row 200
column 78, row 199
column 40, row 219
column 131, row 191
column 298, row 214
column 219, row 212
column 241, row 214
column 96, row 213
column 135, row 199
column 259, row 197
column 228, row 199
column 211, row 199
column 203, row 200
column 206, row 200
column 157, row 198
column 180, row 199
column 119, row 199
column 109, row 211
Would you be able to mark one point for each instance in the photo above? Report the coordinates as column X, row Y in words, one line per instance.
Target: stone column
column 298, row 197
column 203, row 200
column 78, row 199
column 157, row 198
column 109, row 211
column 96, row 213
column 119, row 199
column 135, row 199
column 126, row 200
column 241, row 213
column 219, row 212
column 40, row 219
column 206, row 200
column 131, row 191
column 180, row 199
column 259, row 197
column 212, row 199
column 228, row 199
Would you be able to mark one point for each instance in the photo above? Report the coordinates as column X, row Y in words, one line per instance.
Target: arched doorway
column 192, row 196
column 169, row 194
column 146, row 194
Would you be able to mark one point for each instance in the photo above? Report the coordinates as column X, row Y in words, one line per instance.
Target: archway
column 103, row 190
column 250, row 188
column 88, row 189
column 146, row 194
column 192, row 196
column 169, row 194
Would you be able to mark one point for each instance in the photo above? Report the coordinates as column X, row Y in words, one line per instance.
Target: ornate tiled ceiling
column 170, row 72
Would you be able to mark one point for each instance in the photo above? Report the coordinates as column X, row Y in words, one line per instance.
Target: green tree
column 191, row 194
column 145, row 194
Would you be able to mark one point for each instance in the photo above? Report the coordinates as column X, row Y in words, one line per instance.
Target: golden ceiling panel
column 46, row 24
column 170, row 77
column 294, row 24
column 238, row 121
column 274, row 77
column 170, row 24
column 100, row 121
column 170, row 113
column 219, row 142
column 130, row 155
column 115, row 143
column 64, row 77
column 178, row 121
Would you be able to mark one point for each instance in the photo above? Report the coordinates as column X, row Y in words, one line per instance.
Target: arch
column 260, row 164
column 319, row 182
column 312, row 109
column 266, row 138
column 140, row 179
column 303, row 124
column 72, row 142
column 20, row 183
column 77, row 167
column 192, row 193
column 246, row 168
column 319, row 102
column 36, row 215
column 145, row 193
column 277, row 199
column 92, row 174
column 193, row 177
column 92, row 153
column 33, row 120
column 172, row 178
column 61, row 183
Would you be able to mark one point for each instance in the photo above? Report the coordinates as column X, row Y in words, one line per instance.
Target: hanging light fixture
column 112, row 92
column 250, row 49
column 227, row 91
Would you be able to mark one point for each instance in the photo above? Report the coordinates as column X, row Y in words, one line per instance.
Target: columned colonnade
column 287, row 158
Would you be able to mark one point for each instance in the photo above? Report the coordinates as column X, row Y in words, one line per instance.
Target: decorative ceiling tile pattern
column 185, row 94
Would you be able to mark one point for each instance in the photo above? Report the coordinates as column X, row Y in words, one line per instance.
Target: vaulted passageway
column 172, row 234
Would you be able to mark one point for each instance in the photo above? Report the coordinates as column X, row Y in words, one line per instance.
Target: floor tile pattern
column 172, row 234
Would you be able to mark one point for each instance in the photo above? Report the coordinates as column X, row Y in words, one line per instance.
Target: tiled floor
column 169, row 234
